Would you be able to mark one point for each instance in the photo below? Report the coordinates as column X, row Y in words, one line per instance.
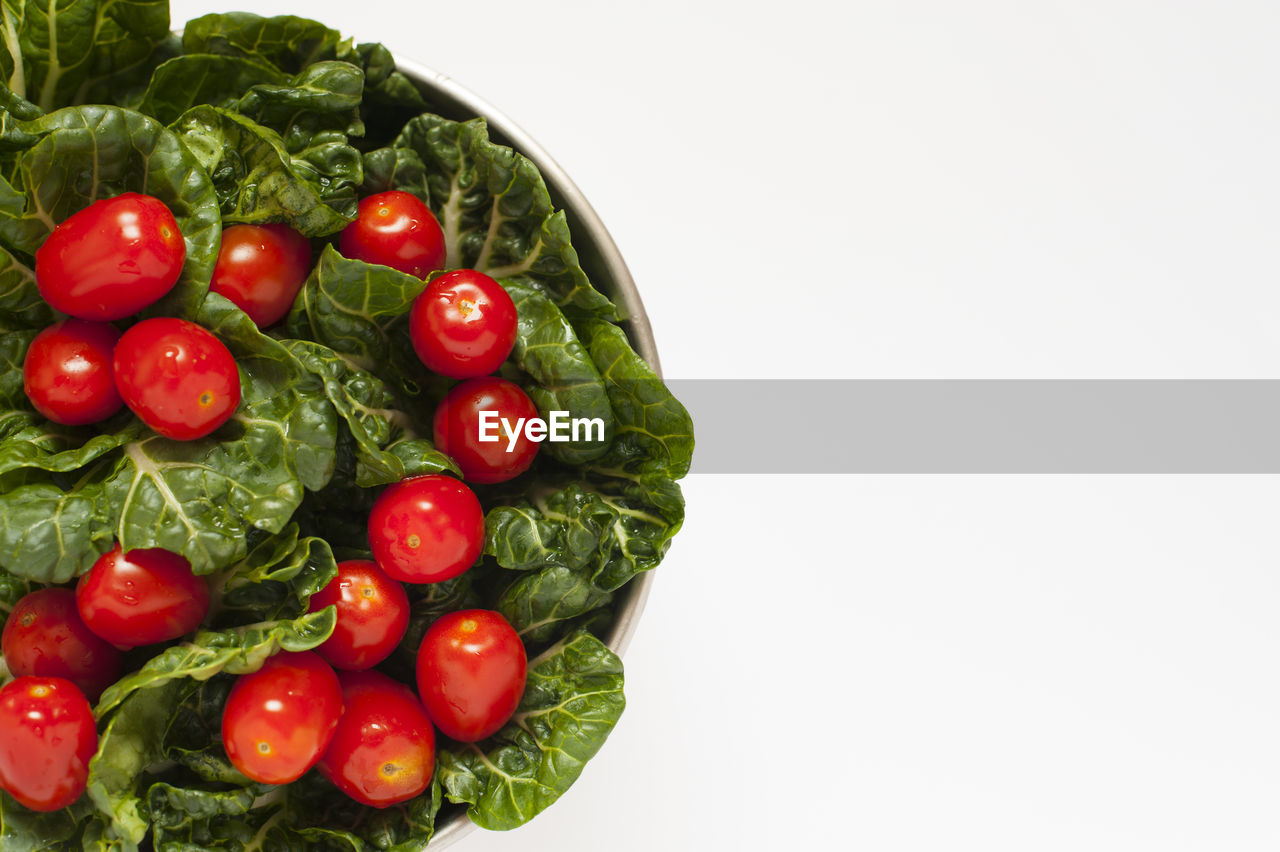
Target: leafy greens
column 247, row 119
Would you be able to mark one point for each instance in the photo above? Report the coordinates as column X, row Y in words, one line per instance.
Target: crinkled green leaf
column 258, row 180
column 24, row 830
column 387, row 447
column 564, row 378
column 571, row 703
column 240, row 650
column 63, row 44
column 350, row 306
column 131, row 742
column 20, row 300
column 275, row 580
column 320, row 104
column 289, row 42
column 203, row 78
column 50, row 535
column 496, row 213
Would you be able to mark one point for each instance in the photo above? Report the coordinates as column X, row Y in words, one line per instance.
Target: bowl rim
column 604, row 264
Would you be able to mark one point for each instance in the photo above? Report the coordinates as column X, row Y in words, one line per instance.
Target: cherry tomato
column 373, row 615
column 67, row 372
column 385, row 749
column 426, row 529
column 471, row 673
column 463, row 324
column 261, row 268
column 395, row 229
column 457, row 428
column 47, row 738
column 177, row 377
column 279, row 720
column 141, row 597
column 111, row 259
column 46, row 637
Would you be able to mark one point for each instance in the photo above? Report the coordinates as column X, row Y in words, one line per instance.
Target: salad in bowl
column 327, row 473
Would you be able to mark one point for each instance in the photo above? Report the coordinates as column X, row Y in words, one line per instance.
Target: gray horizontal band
column 984, row 426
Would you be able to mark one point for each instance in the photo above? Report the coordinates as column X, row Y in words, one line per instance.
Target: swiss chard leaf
column 571, row 703
column 321, row 103
column 50, row 535
column 240, row 650
column 288, row 42
column 131, row 742
column 257, row 179
column 203, row 78
column 12, row 590
column 496, row 213
column 387, row 448
column 564, row 376
column 20, row 302
column 24, row 830
column 88, row 153
column 53, row 48
column 276, row 580
column 350, row 306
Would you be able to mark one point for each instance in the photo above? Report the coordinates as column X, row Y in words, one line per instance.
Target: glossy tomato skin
column 279, row 720
column 426, row 529
column 395, row 229
column 111, row 259
column 261, row 268
column 177, row 377
column 463, row 325
column 471, row 673
column 45, row 637
column 456, row 427
column 141, row 597
column 67, row 372
column 384, row 749
column 373, row 615
column 47, row 738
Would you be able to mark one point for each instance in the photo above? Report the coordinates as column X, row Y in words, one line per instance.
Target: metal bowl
column 605, row 267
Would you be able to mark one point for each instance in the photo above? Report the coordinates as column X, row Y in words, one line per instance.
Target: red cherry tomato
column 463, row 324
column 111, row 259
column 141, row 597
column 279, row 720
column 457, row 428
column 47, row 738
column 46, row 637
column 67, row 372
column 426, row 529
column 395, row 229
column 471, row 673
column 384, row 751
column 177, row 377
column 373, row 615
column 261, row 268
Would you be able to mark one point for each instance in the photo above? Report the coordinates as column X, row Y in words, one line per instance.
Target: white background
column 931, row 190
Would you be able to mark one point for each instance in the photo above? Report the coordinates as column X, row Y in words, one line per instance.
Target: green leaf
column 276, row 580
column 387, row 447
column 564, row 377
column 654, row 431
column 496, row 213
column 539, row 604
column 20, row 300
column 240, row 650
column 131, row 742
column 288, row 42
column 320, row 103
column 93, row 152
column 350, row 306
column 63, row 44
column 571, row 703
column 23, row 830
column 50, row 535
column 202, row 78
column 258, row 180
column 332, row 820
